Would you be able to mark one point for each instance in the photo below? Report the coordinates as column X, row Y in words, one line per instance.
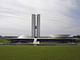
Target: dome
column 22, row 36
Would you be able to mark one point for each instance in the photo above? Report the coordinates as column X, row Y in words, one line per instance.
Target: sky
column 57, row 16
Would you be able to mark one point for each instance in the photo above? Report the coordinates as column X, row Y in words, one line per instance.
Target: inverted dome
column 60, row 36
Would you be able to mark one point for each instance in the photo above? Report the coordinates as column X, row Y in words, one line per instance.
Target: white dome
column 22, row 36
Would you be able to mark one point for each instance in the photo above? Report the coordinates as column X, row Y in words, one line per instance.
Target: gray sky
column 57, row 16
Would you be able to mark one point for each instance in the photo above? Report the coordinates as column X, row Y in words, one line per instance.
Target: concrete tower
column 35, row 25
column 38, row 25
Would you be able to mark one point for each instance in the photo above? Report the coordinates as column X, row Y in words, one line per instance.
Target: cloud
column 57, row 16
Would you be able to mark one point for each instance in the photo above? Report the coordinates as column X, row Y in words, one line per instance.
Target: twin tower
column 36, row 25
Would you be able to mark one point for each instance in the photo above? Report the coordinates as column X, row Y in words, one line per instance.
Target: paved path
column 46, row 44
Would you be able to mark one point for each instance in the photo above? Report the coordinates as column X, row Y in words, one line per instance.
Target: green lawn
column 24, row 52
column 2, row 40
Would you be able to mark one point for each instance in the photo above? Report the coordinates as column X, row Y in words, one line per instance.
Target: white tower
column 35, row 25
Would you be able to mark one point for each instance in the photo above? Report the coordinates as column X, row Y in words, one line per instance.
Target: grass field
column 24, row 52
column 2, row 40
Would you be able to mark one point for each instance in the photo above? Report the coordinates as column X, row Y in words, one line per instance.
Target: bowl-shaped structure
column 60, row 36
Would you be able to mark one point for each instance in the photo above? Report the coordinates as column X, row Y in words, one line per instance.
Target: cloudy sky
column 57, row 16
